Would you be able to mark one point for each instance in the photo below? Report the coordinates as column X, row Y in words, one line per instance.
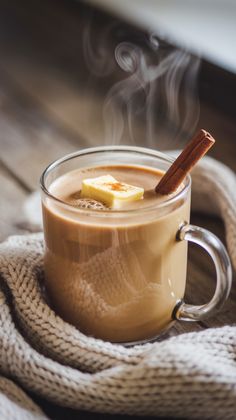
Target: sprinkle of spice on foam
column 118, row 186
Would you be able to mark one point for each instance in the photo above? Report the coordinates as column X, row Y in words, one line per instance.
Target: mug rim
column 105, row 213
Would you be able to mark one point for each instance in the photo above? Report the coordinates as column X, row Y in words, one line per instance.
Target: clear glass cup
column 121, row 275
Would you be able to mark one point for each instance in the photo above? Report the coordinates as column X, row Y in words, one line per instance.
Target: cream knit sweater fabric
column 189, row 376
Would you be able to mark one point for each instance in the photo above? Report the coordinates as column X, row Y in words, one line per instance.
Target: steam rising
column 157, row 91
column 95, row 54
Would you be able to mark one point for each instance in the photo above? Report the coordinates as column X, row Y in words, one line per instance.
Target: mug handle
column 218, row 253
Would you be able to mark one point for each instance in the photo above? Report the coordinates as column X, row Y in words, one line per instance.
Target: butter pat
column 111, row 192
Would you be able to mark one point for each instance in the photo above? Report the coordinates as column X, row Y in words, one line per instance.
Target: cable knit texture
column 192, row 375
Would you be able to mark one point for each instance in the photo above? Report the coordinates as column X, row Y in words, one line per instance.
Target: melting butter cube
column 108, row 190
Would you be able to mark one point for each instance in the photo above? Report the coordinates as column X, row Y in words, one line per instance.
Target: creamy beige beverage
column 115, row 275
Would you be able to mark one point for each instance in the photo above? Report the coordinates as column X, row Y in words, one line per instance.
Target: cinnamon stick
column 194, row 151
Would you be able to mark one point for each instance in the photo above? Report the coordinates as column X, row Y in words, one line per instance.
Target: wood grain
column 29, row 139
column 13, row 196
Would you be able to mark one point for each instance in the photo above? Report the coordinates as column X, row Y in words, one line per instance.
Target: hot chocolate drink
column 115, row 275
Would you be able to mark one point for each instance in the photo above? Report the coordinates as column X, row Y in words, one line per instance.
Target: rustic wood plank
column 12, row 198
column 29, row 139
column 79, row 108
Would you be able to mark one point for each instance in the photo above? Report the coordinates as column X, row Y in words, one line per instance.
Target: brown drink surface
column 115, row 277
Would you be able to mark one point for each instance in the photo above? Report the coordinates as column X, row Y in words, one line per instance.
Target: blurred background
column 78, row 74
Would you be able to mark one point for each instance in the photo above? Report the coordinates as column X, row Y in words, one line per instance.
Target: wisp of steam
column 158, row 91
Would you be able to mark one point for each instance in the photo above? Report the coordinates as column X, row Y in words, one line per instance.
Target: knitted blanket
column 191, row 376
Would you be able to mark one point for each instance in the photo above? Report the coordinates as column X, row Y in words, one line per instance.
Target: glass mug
column 120, row 275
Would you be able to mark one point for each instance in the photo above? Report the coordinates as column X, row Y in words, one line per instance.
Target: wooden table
column 51, row 105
